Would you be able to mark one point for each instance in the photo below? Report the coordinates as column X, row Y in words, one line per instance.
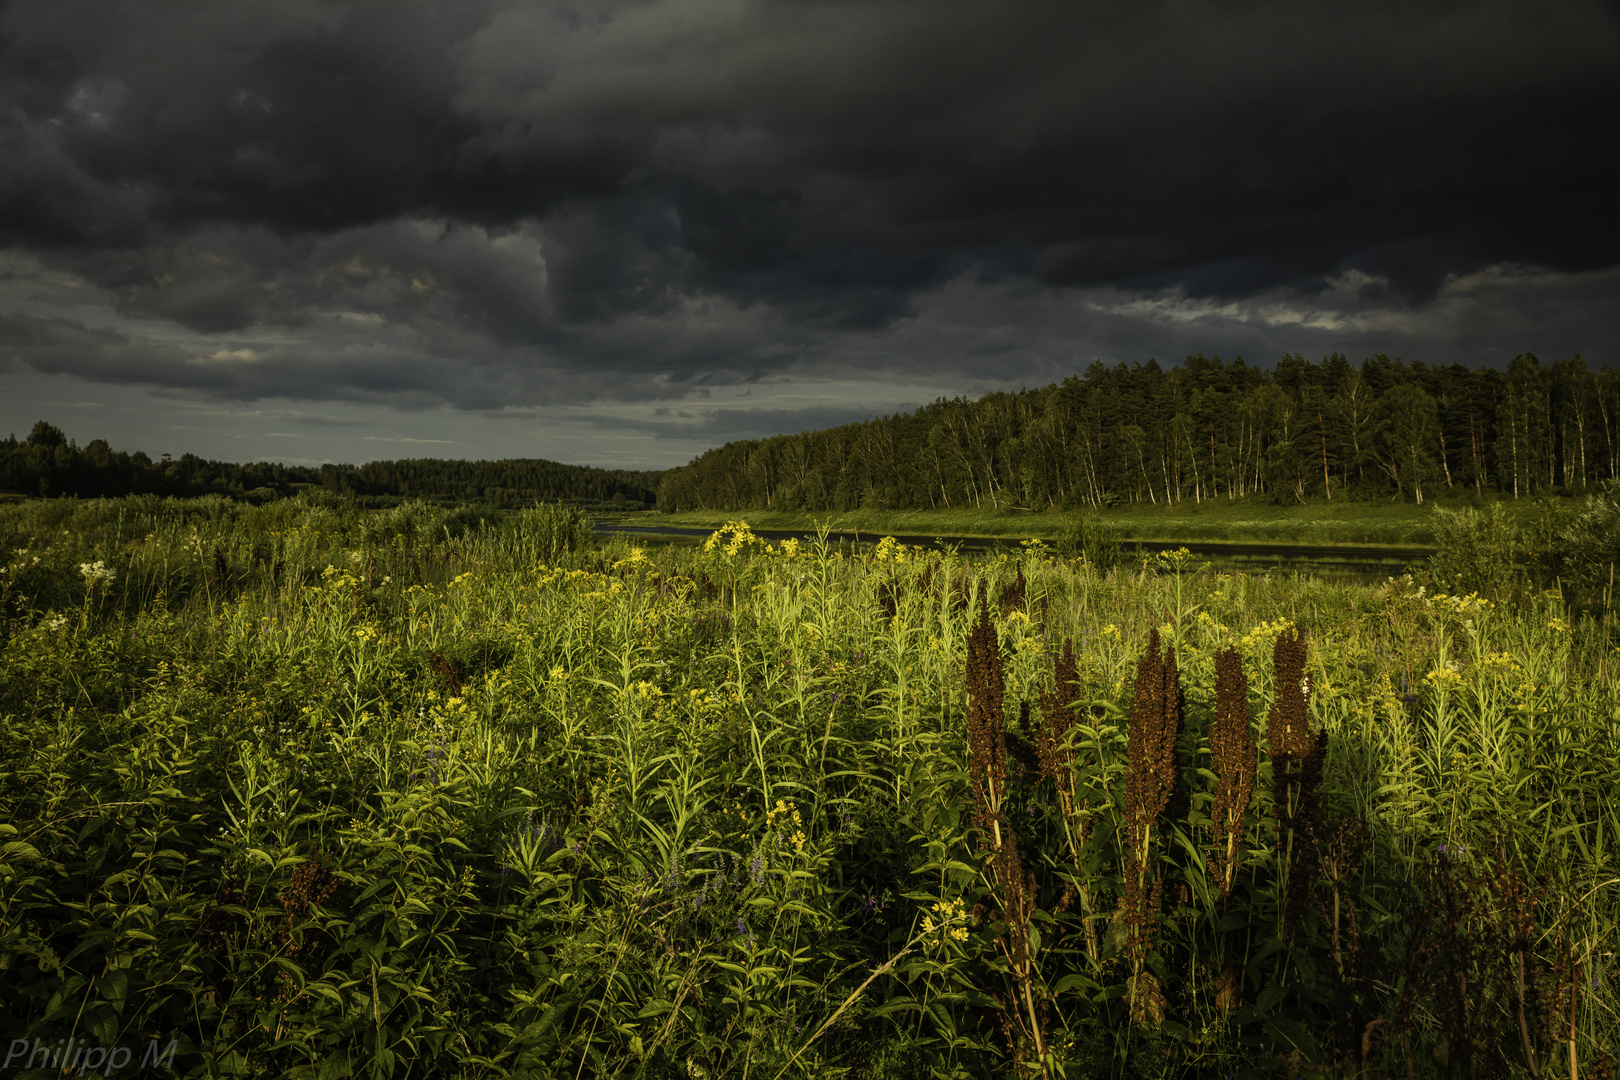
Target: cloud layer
column 493, row 205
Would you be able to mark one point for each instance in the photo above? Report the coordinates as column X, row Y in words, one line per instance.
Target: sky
column 619, row 232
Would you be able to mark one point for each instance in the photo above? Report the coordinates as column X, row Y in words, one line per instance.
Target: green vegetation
column 1192, row 435
column 1219, row 520
column 314, row 790
column 48, row 463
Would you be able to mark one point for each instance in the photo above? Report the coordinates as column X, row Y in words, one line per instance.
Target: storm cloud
column 498, row 206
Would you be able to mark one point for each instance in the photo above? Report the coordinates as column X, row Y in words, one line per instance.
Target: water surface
column 1354, row 561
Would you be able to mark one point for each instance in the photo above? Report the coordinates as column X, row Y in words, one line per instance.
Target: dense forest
column 48, row 463
column 1204, row 429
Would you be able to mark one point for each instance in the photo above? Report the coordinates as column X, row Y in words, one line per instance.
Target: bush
column 1087, row 536
column 551, row 530
column 1584, row 547
column 1478, row 552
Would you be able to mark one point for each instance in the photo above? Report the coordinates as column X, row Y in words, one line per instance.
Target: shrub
column 1478, row 551
column 1585, row 546
column 552, row 530
column 1087, row 536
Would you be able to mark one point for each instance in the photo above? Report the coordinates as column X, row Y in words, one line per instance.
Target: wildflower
column 731, row 539
column 948, row 913
column 890, row 550
column 987, row 747
column 1444, row 674
column 1151, row 748
column 1233, row 747
column 96, row 573
column 1264, row 634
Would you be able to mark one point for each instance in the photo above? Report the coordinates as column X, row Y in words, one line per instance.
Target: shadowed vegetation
column 317, row 791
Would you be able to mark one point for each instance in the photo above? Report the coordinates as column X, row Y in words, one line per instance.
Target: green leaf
column 336, row 1066
column 114, row 985
column 1295, row 1034
column 1074, row 981
column 1270, row 994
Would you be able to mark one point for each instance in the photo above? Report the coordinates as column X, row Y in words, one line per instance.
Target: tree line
column 1203, row 429
column 48, row 463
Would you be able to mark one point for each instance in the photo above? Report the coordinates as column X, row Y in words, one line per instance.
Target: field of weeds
column 303, row 790
column 1249, row 520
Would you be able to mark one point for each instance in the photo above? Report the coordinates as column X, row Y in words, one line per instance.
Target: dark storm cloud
column 715, row 426
column 488, row 203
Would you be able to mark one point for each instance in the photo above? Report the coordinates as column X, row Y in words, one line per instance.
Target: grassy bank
column 316, row 791
column 1322, row 523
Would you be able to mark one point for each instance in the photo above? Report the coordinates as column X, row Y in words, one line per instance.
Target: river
column 1362, row 562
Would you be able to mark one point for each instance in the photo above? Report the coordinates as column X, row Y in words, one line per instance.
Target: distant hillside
column 1204, row 429
column 48, row 463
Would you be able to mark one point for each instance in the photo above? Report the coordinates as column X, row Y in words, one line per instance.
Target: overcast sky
column 619, row 233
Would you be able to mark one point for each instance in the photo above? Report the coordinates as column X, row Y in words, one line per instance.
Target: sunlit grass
column 1212, row 521
column 302, row 785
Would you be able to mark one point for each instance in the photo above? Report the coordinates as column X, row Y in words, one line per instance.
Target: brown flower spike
column 1232, row 743
column 1151, row 745
column 1056, row 754
column 1297, row 759
column 987, row 729
column 1149, row 784
column 1013, row 895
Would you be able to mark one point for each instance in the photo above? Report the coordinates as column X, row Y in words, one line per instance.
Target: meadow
column 306, row 790
column 1247, row 520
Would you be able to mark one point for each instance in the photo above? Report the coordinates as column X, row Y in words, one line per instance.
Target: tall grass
column 1250, row 520
column 316, row 791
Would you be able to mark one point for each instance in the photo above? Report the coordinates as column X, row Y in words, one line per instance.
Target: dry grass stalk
column 1013, row 889
column 1149, row 783
column 1297, row 757
column 1017, row 946
column 987, row 730
column 1340, row 859
column 1012, row 595
column 1056, row 751
column 1232, row 744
